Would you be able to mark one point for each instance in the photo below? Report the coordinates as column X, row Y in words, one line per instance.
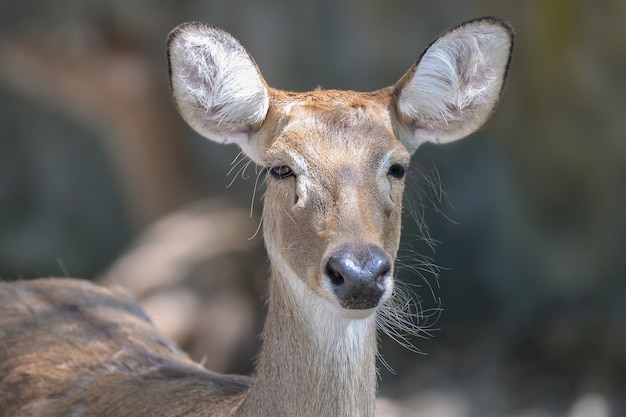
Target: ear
column 216, row 85
column 455, row 85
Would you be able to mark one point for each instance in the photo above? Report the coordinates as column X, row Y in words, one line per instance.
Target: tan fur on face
column 340, row 145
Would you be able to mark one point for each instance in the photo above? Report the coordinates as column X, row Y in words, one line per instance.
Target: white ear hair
column 217, row 86
column 454, row 87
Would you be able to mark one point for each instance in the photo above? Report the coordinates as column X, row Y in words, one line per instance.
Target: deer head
column 336, row 160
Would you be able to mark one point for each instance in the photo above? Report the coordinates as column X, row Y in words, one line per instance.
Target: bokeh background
column 100, row 179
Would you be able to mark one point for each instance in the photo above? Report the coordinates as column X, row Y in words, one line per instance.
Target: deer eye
column 281, row 172
column 397, row 171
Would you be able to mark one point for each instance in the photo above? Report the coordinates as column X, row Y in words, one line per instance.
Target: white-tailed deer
column 336, row 162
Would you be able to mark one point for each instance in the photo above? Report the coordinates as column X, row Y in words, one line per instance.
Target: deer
column 336, row 163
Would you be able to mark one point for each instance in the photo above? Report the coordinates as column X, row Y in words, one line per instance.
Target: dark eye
column 281, row 172
column 397, row 171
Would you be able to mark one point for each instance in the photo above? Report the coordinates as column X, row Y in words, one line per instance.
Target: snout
column 359, row 275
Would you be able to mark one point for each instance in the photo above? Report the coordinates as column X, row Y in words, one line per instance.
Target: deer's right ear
column 216, row 85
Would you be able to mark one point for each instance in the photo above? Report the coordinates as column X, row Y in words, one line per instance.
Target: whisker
column 404, row 316
column 256, row 186
column 258, row 228
column 260, row 173
column 239, row 158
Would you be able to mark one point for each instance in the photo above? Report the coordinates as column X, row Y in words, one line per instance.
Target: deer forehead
column 334, row 130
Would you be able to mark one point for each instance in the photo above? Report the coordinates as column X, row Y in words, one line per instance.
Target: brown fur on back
column 68, row 347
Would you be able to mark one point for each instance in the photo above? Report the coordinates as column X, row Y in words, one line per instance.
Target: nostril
column 333, row 274
column 378, row 268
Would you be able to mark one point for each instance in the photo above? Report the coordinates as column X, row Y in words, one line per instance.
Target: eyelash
column 281, row 172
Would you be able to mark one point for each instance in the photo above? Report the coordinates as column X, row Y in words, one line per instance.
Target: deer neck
column 313, row 362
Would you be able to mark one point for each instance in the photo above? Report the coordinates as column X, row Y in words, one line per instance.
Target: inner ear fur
column 455, row 85
column 217, row 86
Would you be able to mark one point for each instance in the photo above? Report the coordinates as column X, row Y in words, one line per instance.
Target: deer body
column 70, row 348
column 336, row 162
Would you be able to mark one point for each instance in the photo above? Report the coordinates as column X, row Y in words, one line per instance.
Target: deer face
column 334, row 195
column 336, row 160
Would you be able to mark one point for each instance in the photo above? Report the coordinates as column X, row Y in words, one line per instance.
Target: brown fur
column 70, row 348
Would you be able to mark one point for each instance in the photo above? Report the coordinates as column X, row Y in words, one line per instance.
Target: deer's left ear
column 455, row 85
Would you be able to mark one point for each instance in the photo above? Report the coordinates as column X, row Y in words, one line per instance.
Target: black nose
column 357, row 275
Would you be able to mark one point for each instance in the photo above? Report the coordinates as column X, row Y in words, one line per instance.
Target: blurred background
column 100, row 179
